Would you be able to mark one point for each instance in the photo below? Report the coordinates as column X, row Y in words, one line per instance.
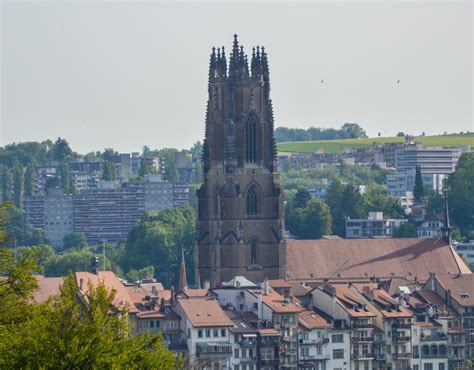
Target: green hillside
column 335, row 146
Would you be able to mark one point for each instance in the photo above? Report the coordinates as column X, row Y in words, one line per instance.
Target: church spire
column 447, row 225
column 183, row 284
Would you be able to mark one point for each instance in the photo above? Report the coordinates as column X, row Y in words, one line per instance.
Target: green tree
column 405, row 230
column 143, row 168
column 75, row 240
column 6, row 184
column 61, row 150
column 157, row 241
column 316, row 220
column 108, row 173
column 376, row 200
column 302, row 197
column 418, row 190
column 65, row 179
column 18, row 178
column 461, row 194
column 334, row 202
column 30, row 179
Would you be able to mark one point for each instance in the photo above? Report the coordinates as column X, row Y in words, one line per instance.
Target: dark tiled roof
column 315, row 260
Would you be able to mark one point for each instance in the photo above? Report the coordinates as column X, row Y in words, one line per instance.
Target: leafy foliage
column 418, row 190
column 347, row 131
column 405, row 230
column 75, row 240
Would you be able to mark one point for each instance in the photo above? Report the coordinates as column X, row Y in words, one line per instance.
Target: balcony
column 362, row 325
column 380, row 356
column 178, row 346
column 221, row 349
column 401, row 355
column 362, row 339
column 430, row 338
column 313, row 341
column 398, row 325
column 401, row 338
column 362, row 356
column 248, row 343
column 248, row 360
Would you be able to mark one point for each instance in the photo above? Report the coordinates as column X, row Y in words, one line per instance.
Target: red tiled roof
column 461, row 286
column 348, row 299
column 276, row 302
column 111, row 281
column 315, row 260
column 312, row 320
column 204, row 312
column 47, row 287
column 279, row 283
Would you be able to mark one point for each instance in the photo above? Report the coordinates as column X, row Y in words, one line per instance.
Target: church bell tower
column 240, row 227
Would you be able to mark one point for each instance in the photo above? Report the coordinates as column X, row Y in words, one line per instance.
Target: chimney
column 266, row 287
column 81, row 284
column 207, row 284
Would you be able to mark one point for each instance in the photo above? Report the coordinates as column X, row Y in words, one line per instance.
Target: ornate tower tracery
column 240, row 228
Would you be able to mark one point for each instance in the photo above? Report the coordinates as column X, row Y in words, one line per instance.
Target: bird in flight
column 322, row 81
column 398, row 81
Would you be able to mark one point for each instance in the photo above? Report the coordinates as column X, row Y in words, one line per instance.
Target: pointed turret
column 183, row 284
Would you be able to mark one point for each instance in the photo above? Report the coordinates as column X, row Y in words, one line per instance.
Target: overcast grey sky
column 128, row 74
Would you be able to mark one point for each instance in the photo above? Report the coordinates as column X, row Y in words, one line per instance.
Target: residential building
column 431, row 160
column 465, row 251
column 400, row 183
column 313, row 341
column 58, row 216
column 430, row 229
column 159, row 194
column 108, row 214
column 46, row 175
column 85, row 174
column 375, row 226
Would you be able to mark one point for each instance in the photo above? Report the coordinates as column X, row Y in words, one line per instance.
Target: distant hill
column 335, row 146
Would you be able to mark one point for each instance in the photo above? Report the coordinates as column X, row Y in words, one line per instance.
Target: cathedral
column 240, row 226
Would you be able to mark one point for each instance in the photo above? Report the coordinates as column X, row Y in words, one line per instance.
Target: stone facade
column 240, row 228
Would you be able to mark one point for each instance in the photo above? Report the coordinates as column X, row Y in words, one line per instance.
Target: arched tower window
column 254, row 252
column 251, row 140
column 252, row 202
column 216, row 204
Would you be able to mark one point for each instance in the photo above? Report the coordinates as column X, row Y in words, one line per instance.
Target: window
column 428, row 366
column 152, row 324
column 236, row 367
column 253, row 252
column 244, row 353
column 337, row 338
column 199, row 333
column 250, row 140
column 255, row 306
column 252, row 202
column 441, row 367
column 208, row 333
column 236, row 353
column 337, row 353
column 216, row 333
column 222, row 332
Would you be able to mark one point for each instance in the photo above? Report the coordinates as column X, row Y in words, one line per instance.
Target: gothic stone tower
column 240, row 228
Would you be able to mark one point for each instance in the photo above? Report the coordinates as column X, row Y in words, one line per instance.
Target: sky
column 133, row 73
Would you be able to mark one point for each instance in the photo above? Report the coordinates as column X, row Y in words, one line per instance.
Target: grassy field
column 335, row 146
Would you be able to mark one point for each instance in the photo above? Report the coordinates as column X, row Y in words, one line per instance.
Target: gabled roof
column 239, row 282
column 276, row 302
column 204, row 312
column 311, row 320
column 122, row 298
column 461, row 286
column 410, row 258
column 351, row 302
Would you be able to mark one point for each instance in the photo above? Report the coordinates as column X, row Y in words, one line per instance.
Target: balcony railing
column 399, row 325
column 269, row 343
column 440, row 336
column 401, row 338
column 434, row 355
column 362, row 325
column 362, row 339
column 314, row 341
column 248, row 359
column 248, row 343
column 219, row 349
column 400, row 355
column 362, row 356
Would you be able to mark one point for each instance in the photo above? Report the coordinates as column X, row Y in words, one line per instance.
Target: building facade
column 375, row 226
column 240, row 229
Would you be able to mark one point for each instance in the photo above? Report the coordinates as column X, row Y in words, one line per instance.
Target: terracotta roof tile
column 461, row 286
column 279, row 283
column 111, row 281
column 204, row 312
column 47, row 287
column 276, row 302
column 311, row 320
column 315, row 260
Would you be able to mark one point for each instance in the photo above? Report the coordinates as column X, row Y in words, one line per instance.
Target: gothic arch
column 216, row 199
column 254, row 251
column 251, row 138
column 253, row 200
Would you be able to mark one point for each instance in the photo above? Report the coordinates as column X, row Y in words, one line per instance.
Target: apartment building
column 375, row 226
column 400, row 183
column 432, row 160
column 85, row 174
column 465, row 251
column 314, row 351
